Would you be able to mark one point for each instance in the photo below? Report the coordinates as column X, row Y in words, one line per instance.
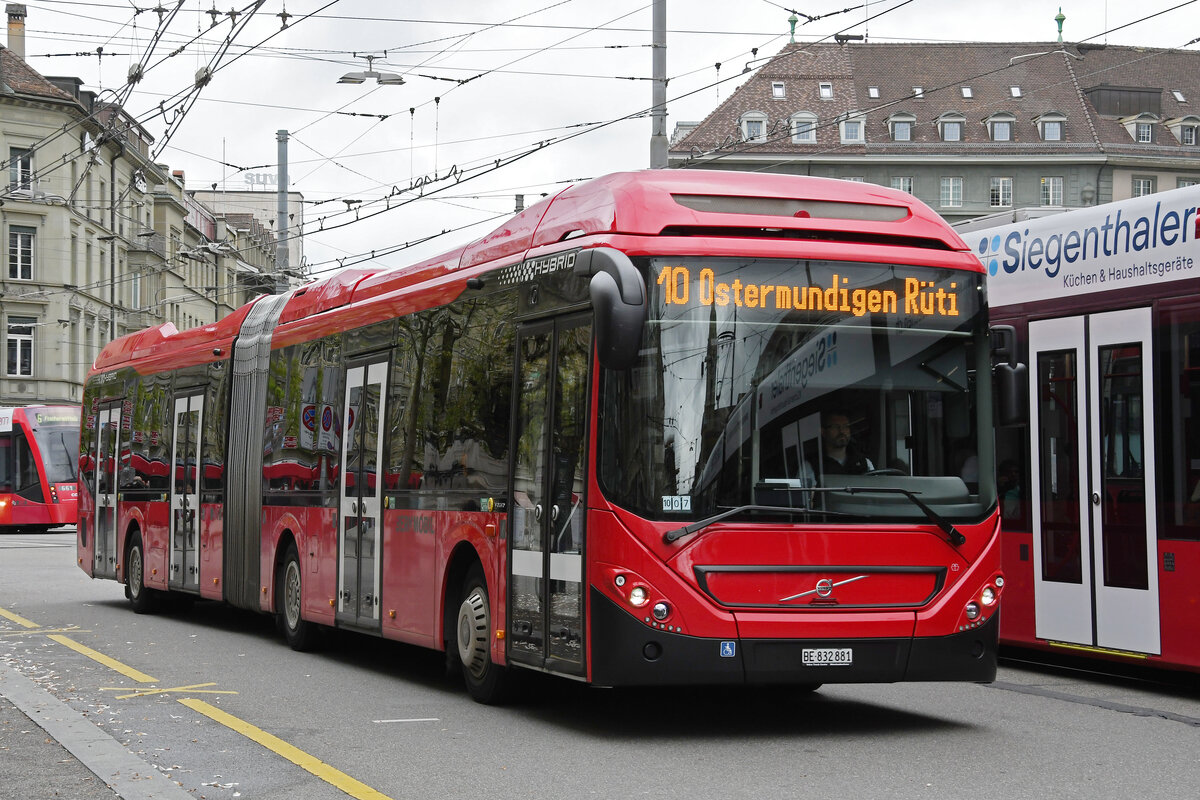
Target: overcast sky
column 553, row 90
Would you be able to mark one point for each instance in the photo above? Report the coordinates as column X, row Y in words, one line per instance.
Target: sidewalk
column 35, row 765
column 49, row 750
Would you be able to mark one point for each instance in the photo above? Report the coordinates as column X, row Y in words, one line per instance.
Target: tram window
column 1179, row 387
column 5, row 463
column 28, row 484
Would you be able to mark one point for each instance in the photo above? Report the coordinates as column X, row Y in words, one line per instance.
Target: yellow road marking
column 111, row 663
column 197, row 688
column 314, row 765
column 24, row 623
column 43, row 631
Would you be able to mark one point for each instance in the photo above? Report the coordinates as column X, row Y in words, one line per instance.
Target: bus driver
column 839, row 455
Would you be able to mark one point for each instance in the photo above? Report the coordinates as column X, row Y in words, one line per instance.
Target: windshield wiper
column 70, row 458
column 679, row 533
column 952, row 533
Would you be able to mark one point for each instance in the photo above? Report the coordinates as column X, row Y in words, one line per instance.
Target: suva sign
column 1137, row 242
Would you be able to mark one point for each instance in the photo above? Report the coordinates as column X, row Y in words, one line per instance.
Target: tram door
column 105, row 458
column 361, row 489
column 1095, row 547
column 546, row 574
column 185, row 492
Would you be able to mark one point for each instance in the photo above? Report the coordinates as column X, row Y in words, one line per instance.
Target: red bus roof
column 711, row 203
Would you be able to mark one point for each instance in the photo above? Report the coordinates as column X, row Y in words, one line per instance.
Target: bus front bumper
column 625, row 652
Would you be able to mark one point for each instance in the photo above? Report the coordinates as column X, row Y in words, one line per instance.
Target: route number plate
column 827, row 656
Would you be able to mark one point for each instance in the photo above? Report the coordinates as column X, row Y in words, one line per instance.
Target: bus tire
column 300, row 634
column 143, row 600
column 487, row 682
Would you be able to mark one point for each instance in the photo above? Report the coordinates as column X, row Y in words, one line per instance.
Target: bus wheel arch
column 300, row 633
column 468, row 633
column 142, row 599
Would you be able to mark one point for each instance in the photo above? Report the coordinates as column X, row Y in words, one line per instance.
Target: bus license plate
column 827, row 656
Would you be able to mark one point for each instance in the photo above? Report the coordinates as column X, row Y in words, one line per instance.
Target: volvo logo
column 824, row 588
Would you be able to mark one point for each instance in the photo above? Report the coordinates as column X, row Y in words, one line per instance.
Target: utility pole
column 281, row 213
column 658, row 114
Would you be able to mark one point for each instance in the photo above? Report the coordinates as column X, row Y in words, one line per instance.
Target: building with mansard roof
column 969, row 128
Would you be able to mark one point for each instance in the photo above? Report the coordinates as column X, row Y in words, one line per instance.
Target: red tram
column 1100, row 489
column 38, row 450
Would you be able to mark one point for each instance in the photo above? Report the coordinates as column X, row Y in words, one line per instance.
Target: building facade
column 98, row 240
column 970, row 129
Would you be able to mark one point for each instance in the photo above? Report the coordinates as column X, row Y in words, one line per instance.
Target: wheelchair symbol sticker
column 728, row 649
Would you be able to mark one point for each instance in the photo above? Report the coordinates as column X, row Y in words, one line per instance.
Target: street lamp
column 383, row 78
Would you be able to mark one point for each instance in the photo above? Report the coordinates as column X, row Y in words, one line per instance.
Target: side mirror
column 1010, row 379
column 1010, row 383
column 619, row 302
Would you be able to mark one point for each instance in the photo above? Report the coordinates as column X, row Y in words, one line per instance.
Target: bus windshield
column 803, row 384
column 58, row 442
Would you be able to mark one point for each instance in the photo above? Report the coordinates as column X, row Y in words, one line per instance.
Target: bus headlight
column 972, row 610
column 661, row 611
column 988, row 596
column 638, row 596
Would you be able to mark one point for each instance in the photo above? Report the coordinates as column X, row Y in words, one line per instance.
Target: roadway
column 209, row 702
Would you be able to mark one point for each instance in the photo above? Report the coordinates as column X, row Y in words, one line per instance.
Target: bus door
column 546, row 572
column 1095, row 548
column 185, row 492
column 361, row 490
column 105, row 458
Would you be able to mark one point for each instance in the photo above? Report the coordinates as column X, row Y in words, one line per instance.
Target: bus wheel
column 300, row 635
column 486, row 682
column 142, row 599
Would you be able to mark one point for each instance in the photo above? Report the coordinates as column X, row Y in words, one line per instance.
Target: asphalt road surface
column 209, row 702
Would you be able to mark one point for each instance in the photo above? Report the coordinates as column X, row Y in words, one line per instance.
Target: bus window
column 1179, row 359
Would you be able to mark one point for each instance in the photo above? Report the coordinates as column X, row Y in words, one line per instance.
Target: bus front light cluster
column 638, row 596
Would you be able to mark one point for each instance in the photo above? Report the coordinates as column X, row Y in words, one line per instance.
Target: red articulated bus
column 38, row 449
column 1100, row 488
column 589, row 444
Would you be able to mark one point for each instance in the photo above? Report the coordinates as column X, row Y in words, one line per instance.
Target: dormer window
column 825, row 90
column 1050, row 125
column 804, row 127
column 901, row 127
column 1140, row 127
column 754, row 126
column 1000, row 126
column 950, row 127
column 967, row 93
column 1186, row 130
column 1178, row 95
column 777, row 90
column 852, row 126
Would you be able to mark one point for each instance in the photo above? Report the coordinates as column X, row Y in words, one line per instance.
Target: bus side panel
column 1179, row 596
column 410, row 564
column 319, row 557
column 151, row 521
column 212, row 520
